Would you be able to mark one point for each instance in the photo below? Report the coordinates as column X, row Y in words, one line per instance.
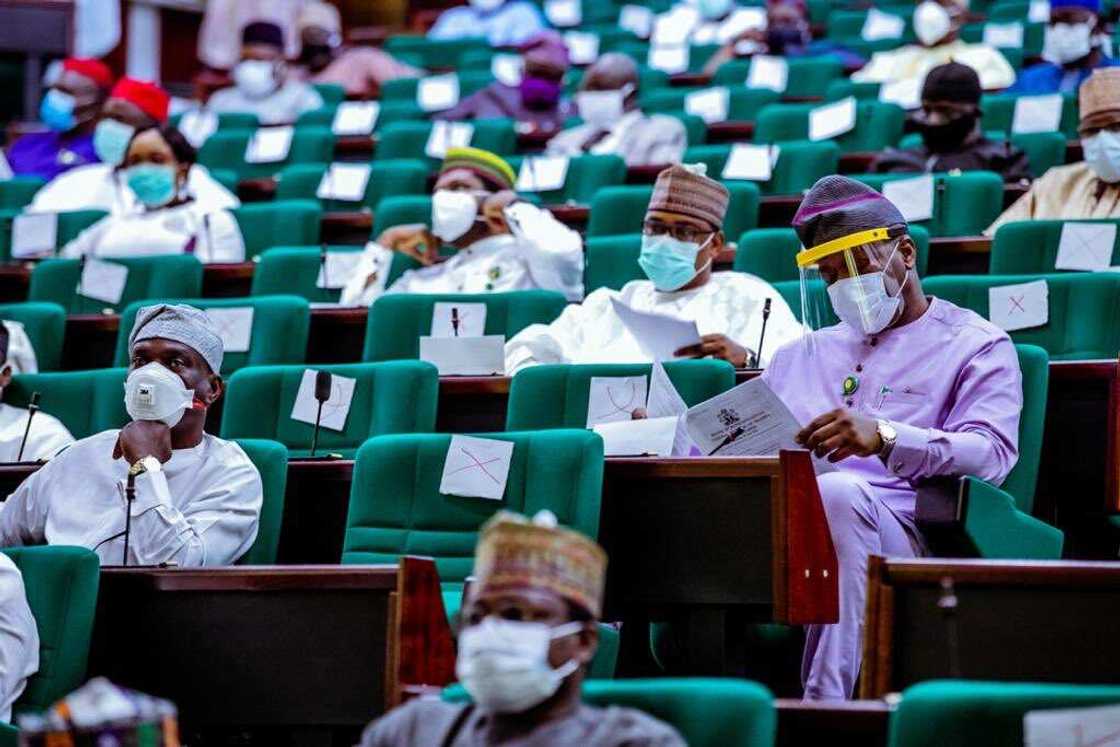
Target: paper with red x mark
column 1019, row 306
column 614, row 398
column 476, row 467
column 1097, row 726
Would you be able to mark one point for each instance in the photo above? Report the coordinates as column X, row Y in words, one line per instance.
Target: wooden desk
column 730, row 132
column 856, row 722
column 346, row 227
column 959, row 255
column 15, row 279
column 266, row 647
column 337, row 335
column 472, row 404
column 227, row 280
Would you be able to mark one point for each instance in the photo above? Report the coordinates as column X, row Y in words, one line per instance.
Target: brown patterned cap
column 687, row 190
column 1100, row 93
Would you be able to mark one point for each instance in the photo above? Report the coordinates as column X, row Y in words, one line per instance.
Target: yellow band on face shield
column 807, row 257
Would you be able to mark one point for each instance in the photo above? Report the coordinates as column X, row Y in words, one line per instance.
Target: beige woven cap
column 1100, row 93
column 687, row 190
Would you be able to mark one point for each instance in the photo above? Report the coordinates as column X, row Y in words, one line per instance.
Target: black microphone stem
column 315, row 434
column 129, row 497
column 32, row 408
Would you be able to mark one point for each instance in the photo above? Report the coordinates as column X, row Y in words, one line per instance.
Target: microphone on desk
column 455, row 320
column 756, row 357
column 947, row 603
column 32, row 408
column 322, row 394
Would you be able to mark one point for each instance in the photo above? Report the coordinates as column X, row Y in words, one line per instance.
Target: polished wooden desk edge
column 694, row 467
column 841, row 707
column 462, row 385
column 1004, row 572
column 255, row 578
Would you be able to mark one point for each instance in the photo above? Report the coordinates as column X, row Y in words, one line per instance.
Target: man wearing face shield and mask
column 949, row 122
column 530, row 629
column 681, row 237
column 262, row 85
column 937, row 24
column 1073, row 47
column 903, row 388
column 1089, row 188
column 198, row 497
column 503, row 243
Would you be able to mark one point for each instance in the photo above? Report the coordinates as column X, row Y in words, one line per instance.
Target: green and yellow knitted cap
column 490, row 167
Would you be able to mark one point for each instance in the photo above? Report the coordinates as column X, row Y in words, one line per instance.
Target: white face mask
column 932, row 22
column 453, row 213
column 1102, row 153
column 154, row 392
column 504, row 666
column 1066, row 42
column 602, row 108
column 255, row 78
column 487, row 6
column 862, row 302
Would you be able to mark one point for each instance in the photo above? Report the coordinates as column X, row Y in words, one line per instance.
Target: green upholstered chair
column 56, row 281
column 226, row 121
column 1033, row 34
column 586, row 176
column 982, row 714
column 878, row 125
column 226, row 150
column 280, row 223
column 431, row 52
column 621, row 210
column 405, row 89
column 799, row 165
column 1031, row 247
column 409, row 139
column 396, row 507
column 743, row 104
column 389, row 397
column 389, row 112
column 843, row 88
column 17, row 192
column 331, row 93
column 611, row 261
column 808, row 76
column 963, row 204
column 769, row 253
column 1044, row 150
column 386, row 178
column 397, row 320
column 295, row 270
column 87, row 402
column 70, row 224
column 999, row 112
column 271, row 460
column 555, row 396
column 397, row 211
column 45, row 324
column 279, row 333
column 61, row 584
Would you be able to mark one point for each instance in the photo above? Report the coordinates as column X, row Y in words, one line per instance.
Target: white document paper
column 637, row 19
column 1039, row 11
column 1037, row 114
column 674, row 27
column 453, row 319
column 913, row 197
column 614, row 398
column 832, row 120
column 34, row 234
column 1019, row 306
column 336, row 269
column 476, row 467
column 445, row 135
column 5, row 167
column 235, row 327
column 335, row 409
column 438, row 92
column 103, row 281
column 664, row 400
column 465, row 356
column 659, row 335
column 669, row 58
column 344, row 181
column 753, row 162
column 1085, row 246
column 906, row 93
column 198, row 125
column 583, row 48
column 1003, row 35
column 355, row 117
column 269, row 144
column 741, row 20
column 879, row 25
column 767, row 71
column 564, row 13
column 644, row 437
column 709, row 104
column 542, row 173
column 1098, row 726
column 506, row 68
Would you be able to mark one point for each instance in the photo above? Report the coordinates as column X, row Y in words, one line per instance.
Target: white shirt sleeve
column 86, row 242
column 553, row 251
column 19, row 637
column 220, row 238
column 47, row 437
column 21, row 353
column 559, row 341
column 23, row 516
column 364, row 287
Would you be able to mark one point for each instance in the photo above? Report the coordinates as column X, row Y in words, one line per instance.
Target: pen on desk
column 731, row 437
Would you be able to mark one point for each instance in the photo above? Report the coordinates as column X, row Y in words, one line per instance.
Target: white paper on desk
column 669, row 58
column 34, row 234
column 445, row 135
column 913, row 197
column 637, row 19
column 753, row 162
column 741, row 20
column 337, row 269
column 906, row 93
column 476, row 467
column 465, row 356
column 664, row 400
column 1039, row 11
column 102, row 281
column 564, row 13
column 1037, row 113
column 506, row 68
column 355, row 117
column 438, row 92
column 542, row 173
column 6, row 172
column 1019, row 306
column 1003, row 35
column 879, row 25
column 335, row 409
column 269, row 144
column 644, row 437
column 659, row 335
column 1085, row 246
column 198, row 125
column 710, row 104
column 614, row 398
column 831, row 120
column 1098, row 726
column 674, row 27
column 582, row 47
column 453, row 319
column 767, row 71
column 344, row 181
column 235, row 327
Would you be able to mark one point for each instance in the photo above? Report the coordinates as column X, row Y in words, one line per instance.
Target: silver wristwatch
column 888, row 435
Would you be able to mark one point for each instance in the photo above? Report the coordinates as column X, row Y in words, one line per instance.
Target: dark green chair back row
column 799, row 165
column 225, row 149
column 168, row 276
column 621, row 210
column 87, row 402
column 70, row 224
column 743, row 104
column 808, row 76
column 1031, row 247
column 409, row 139
column 17, row 192
column 878, row 125
column 963, row 204
column 770, row 253
column 386, row 178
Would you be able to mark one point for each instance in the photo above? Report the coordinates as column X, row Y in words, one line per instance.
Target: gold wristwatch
column 145, row 464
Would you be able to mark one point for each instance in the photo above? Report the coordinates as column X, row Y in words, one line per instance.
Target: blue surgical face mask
column 154, row 184
column 110, row 140
column 57, row 111
column 670, row 263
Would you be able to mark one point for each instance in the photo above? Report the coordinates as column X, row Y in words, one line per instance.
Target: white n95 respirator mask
column 932, row 22
column 154, row 392
column 453, row 213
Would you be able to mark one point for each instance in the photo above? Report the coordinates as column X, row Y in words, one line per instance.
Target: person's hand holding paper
column 716, row 346
column 841, row 433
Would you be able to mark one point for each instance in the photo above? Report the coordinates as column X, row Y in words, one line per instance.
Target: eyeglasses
column 679, row 231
